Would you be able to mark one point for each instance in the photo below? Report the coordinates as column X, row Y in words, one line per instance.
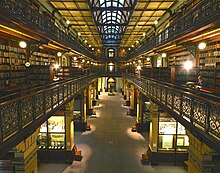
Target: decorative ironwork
column 48, row 101
column 39, row 104
column 19, row 113
column 198, row 111
column 176, row 102
column 215, row 120
column 26, row 111
column 186, row 106
column 9, row 120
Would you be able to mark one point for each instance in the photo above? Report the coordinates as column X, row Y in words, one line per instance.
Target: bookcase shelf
column 209, row 60
column 179, row 57
column 12, row 69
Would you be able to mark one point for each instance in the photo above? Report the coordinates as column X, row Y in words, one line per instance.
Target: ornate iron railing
column 17, row 114
column 206, row 12
column 196, row 111
column 20, row 10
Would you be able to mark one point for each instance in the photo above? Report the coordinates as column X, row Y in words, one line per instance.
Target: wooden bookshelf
column 161, row 74
column 39, row 75
column 209, row 60
column 63, row 72
column 12, row 69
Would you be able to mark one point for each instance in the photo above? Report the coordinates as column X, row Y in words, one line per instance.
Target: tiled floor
column 110, row 147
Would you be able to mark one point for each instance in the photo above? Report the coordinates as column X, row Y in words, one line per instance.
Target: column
column 26, row 155
column 201, row 158
column 153, row 126
column 69, row 125
column 139, row 117
column 84, row 106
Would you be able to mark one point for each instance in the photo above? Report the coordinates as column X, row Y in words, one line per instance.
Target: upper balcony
column 20, row 15
column 203, row 16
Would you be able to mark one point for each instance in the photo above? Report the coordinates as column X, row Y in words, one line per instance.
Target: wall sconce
column 22, row 44
column 93, row 48
column 148, row 58
column 83, row 60
column 202, row 45
column 74, row 58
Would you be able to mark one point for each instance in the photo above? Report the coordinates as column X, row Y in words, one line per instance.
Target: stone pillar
column 153, row 126
column 201, row 158
column 84, row 106
column 139, row 118
column 132, row 97
column 26, row 155
column 69, row 125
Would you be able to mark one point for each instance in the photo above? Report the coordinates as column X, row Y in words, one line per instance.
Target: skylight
column 111, row 17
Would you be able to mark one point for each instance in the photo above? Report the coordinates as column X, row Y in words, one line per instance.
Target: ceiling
column 140, row 16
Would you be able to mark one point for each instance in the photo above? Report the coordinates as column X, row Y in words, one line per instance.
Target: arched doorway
column 111, row 84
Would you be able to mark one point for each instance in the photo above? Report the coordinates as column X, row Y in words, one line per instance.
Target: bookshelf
column 39, row 58
column 161, row 74
column 63, row 72
column 39, row 75
column 176, row 61
column 75, row 71
column 209, row 60
column 12, row 69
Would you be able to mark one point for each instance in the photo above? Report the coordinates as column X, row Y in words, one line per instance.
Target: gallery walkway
column 110, row 147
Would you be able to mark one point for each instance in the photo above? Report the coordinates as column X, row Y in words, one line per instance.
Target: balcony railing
column 205, row 13
column 198, row 112
column 19, row 113
column 20, row 10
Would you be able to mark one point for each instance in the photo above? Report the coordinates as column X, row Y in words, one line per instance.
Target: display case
column 172, row 135
column 52, row 134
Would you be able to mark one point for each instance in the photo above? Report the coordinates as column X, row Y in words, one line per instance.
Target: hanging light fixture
column 59, row 54
column 27, row 64
column 202, row 45
column 67, row 22
column 22, row 44
column 164, row 55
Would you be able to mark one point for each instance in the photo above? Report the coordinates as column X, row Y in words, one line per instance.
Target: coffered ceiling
column 82, row 17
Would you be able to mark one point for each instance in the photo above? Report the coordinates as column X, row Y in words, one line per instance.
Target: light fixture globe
column 188, row 65
column 155, row 22
column 22, row 44
column 59, row 54
column 27, row 64
column 202, row 45
column 67, row 22
column 164, row 55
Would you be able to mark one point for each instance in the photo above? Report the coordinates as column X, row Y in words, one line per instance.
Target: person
column 201, row 82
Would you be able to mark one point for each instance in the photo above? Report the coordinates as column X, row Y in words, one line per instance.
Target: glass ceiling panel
column 111, row 21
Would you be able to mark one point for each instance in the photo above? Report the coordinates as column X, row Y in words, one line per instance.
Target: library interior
column 103, row 86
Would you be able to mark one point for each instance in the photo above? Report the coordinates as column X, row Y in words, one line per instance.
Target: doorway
column 111, row 84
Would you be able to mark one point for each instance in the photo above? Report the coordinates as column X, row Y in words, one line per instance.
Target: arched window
column 111, row 53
